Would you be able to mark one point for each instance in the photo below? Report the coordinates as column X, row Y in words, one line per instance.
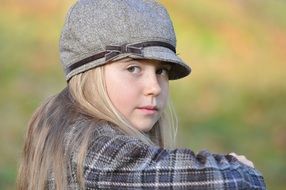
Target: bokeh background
column 234, row 100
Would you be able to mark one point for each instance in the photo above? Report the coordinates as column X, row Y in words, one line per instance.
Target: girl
column 111, row 126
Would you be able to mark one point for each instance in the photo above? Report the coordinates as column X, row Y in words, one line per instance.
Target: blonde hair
column 46, row 150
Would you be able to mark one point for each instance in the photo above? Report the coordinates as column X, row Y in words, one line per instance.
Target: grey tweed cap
column 96, row 32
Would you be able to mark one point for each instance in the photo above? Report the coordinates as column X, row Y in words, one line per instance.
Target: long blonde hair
column 47, row 149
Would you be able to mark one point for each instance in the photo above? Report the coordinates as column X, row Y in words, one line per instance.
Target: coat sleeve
column 123, row 162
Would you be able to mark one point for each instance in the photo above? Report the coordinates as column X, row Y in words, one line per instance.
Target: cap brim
column 178, row 70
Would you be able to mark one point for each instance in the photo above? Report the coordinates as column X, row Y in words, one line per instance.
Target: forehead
column 144, row 61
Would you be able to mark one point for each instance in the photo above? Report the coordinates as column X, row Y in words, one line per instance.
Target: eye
column 134, row 69
column 163, row 71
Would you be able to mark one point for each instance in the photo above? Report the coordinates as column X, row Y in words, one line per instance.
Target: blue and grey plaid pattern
column 117, row 161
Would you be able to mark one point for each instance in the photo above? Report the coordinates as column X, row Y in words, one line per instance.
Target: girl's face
column 138, row 89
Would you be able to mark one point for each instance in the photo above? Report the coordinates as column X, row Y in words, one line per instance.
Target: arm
column 122, row 162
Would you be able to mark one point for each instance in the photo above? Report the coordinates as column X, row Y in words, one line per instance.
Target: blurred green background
column 234, row 101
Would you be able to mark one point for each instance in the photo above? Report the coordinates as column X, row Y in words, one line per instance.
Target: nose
column 152, row 85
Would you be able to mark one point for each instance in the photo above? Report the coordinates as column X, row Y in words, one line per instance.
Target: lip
column 148, row 109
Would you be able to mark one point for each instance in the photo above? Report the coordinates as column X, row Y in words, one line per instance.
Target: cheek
column 122, row 98
column 164, row 92
column 121, row 94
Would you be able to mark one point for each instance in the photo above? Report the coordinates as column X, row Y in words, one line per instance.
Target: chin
column 144, row 125
column 145, row 128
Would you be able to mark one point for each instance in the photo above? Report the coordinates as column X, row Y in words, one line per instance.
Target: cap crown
column 91, row 25
column 99, row 31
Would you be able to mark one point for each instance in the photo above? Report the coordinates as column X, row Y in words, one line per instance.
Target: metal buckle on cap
column 114, row 51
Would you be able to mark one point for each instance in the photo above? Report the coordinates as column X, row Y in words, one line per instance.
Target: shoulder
column 109, row 139
column 112, row 153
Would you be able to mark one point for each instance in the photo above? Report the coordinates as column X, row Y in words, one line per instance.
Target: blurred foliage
column 234, row 100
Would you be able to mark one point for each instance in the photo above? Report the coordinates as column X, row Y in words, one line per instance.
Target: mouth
column 148, row 109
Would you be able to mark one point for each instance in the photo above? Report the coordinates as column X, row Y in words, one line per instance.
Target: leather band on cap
column 112, row 51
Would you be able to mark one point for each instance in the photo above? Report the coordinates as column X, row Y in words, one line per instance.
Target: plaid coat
column 117, row 161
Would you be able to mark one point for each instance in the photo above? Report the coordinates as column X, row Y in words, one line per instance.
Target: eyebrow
column 127, row 59
column 162, row 63
column 166, row 64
